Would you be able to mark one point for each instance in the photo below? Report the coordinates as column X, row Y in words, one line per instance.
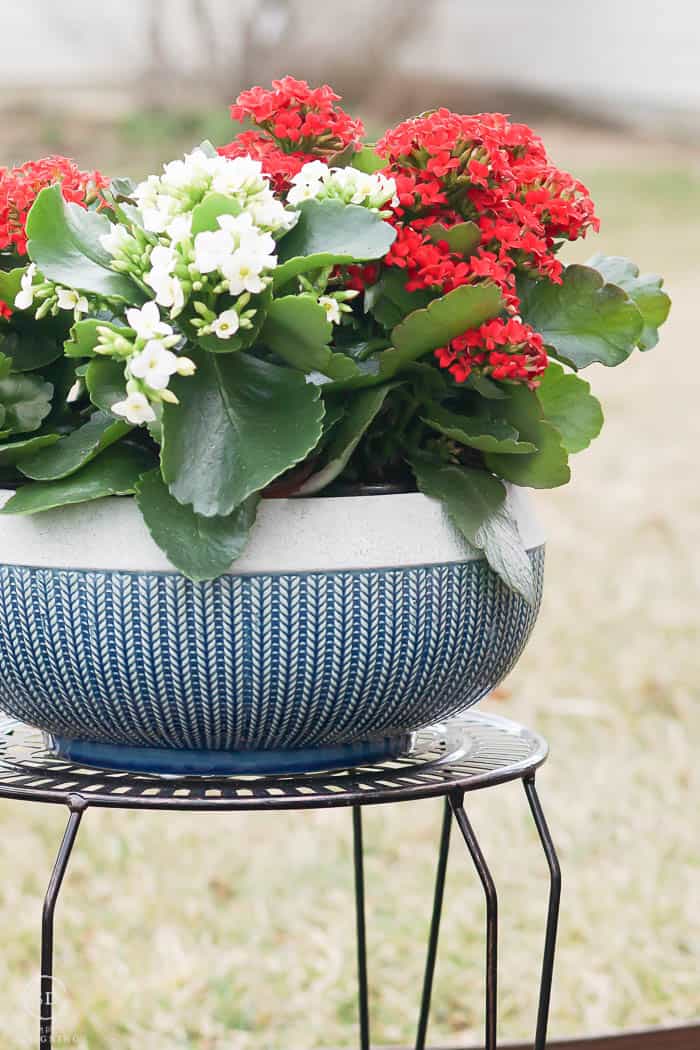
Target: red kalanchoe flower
column 5, row 310
column 294, row 125
column 19, row 188
column 502, row 349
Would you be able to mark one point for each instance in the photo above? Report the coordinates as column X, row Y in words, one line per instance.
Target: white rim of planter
column 308, row 534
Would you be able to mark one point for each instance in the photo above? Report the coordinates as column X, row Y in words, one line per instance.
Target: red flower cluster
column 295, row 124
column 5, row 310
column 19, row 188
column 502, row 349
column 482, row 169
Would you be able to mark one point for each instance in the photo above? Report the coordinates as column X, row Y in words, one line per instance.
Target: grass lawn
column 236, row 932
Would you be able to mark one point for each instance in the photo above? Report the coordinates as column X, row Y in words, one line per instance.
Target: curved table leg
column 77, row 808
column 361, row 927
column 552, row 911
column 489, row 886
column 434, row 928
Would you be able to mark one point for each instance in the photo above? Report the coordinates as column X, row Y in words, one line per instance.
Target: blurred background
column 236, row 933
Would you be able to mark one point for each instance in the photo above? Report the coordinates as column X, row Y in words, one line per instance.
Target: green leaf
column 31, row 344
column 105, row 382
column 206, row 213
column 76, row 449
column 361, row 411
column 10, row 284
column 488, row 435
column 241, row 423
column 14, row 452
column 645, row 291
column 114, row 473
column 368, row 160
column 389, row 301
column 463, row 238
column 476, row 503
column 442, row 320
column 64, row 242
column 26, row 400
column 84, row 336
column 201, row 548
column 331, row 233
column 545, row 469
column 583, row 319
column 297, row 329
column 568, row 405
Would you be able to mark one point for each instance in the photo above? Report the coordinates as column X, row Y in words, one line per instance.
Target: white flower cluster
column 52, row 297
column 166, row 201
column 150, row 362
column 319, row 182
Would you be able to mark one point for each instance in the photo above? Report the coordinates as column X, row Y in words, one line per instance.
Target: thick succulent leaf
column 26, row 400
column 76, row 449
column 31, row 344
column 331, row 233
column 368, row 160
column 13, row 452
column 114, row 473
column 10, row 284
column 463, row 238
column 84, row 337
column 477, row 504
column 583, row 319
column 488, row 435
column 443, row 319
column 389, row 301
column 64, row 242
column 362, row 409
column 547, row 467
column 568, row 405
column 646, row 292
column 205, row 215
column 105, row 382
column 297, row 329
column 426, row 329
column 201, row 548
column 241, row 423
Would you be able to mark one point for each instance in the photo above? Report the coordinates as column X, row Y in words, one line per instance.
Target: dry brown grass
column 236, row 932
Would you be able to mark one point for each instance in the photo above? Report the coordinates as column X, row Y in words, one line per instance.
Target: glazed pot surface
column 336, row 648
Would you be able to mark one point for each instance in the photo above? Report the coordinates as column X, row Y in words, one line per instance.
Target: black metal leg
column 361, row 929
column 552, row 912
column 434, row 928
column 491, row 918
column 77, row 808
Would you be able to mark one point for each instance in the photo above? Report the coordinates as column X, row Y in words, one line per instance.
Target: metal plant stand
column 466, row 754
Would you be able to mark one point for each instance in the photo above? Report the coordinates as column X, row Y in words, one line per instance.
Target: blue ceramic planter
column 255, row 672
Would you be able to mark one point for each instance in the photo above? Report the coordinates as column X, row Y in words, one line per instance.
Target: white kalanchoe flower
column 25, row 298
column 211, row 248
column 332, row 308
column 180, row 228
column 117, row 240
column 185, row 366
column 242, row 272
column 136, row 408
column 155, row 365
column 147, row 322
column 71, row 300
column 168, row 289
column 226, row 324
column 74, row 392
column 317, row 181
column 163, row 259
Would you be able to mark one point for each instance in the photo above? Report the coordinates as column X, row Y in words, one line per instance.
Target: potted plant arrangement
column 324, row 373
